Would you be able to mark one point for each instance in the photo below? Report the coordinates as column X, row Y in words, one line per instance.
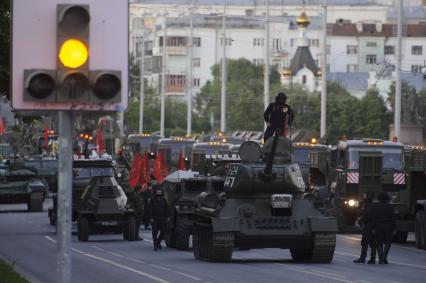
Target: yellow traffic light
column 73, row 53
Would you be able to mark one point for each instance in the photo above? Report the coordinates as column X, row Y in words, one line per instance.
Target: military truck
column 201, row 149
column 414, row 215
column 369, row 165
column 173, row 146
column 143, row 142
column 263, row 206
column 181, row 189
column 103, row 209
column 20, row 185
column 83, row 172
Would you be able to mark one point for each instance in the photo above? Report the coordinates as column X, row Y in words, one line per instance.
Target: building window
column 196, row 62
column 176, row 41
column 389, row 50
column 249, row 12
column 328, row 49
column 304, row 79
column 258, row 61
column 276, row 44
column 351, row 49
column 416, row 68
column 371, row 59
column 258, row 41
column 292, row 42
column 196, row 41
column 228, row 41
column 313, row 42
column 350, row 68
column 371, row 44
column 416, row 50
column 196, row 82
column 176, row 80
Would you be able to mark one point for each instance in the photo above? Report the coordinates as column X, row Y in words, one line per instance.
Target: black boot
column 372, row 256
column 381, row 253
column 385, row 253
column 363, row 255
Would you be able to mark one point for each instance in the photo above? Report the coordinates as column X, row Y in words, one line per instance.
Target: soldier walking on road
column 159, row 213
column 368, row 237
column 384, row 225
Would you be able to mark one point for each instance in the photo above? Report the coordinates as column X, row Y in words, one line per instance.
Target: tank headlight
column 352, row 203
column 119, row 175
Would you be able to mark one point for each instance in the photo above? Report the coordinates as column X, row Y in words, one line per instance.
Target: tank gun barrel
column 270, row 161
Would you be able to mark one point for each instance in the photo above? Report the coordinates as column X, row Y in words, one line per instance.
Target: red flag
column 135, row 171
column 46, row 136
column 2, row 127
column 145, row 173
column 181, row 162
column 100, row 142
column 160, row 168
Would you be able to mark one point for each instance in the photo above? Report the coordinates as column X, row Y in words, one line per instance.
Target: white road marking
column 188, row 276
column 135, row 260
column 331, row 274
column 50, row 239
column 390, row 261
column 394, row 245
column 318, row 274
column 159, row 266
column 98, row 248
column 78, row 251
column 155, row 278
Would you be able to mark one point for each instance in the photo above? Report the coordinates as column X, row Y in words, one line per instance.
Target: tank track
column 324, row 245
column 205, row 248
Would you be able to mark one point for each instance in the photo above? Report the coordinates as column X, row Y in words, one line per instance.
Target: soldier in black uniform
column 278, row 115
column 384, row 225
column 368, row 238
column 159, row 212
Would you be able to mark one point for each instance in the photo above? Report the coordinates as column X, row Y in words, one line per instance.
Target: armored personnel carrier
column 103, row 209
column 263, row 206
column 20, row 185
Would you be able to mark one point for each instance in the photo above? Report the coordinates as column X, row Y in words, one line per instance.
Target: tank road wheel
column 182, row 234
column 322, row 251
column 400, row 237
column 420, row 230
column 131, row 229
column 204, row 248
column 35, row 203
column 83, row 229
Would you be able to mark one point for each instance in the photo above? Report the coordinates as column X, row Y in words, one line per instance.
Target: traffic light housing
column 40, row 85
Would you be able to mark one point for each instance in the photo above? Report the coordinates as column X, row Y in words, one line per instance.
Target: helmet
column 281, row 97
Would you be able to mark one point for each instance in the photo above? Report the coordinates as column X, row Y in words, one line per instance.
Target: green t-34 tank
column 264, row 205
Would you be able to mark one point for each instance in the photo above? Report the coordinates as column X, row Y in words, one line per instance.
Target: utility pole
column 142, row 76
column 397, row 114
column 189, row 82
column 163, row 78
column 324, row 72
column 266, row 71
column 223, row 88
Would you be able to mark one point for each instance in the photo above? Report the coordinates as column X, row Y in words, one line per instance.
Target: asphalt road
column 27, row 240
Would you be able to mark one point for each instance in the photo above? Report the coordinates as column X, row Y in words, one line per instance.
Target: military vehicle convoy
column 263, row 206
column 46, row 169
column 201, row 149
column 173, row 146
column 20, row 185
column 103, row 208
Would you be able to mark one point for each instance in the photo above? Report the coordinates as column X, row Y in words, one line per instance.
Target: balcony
column 171, row 50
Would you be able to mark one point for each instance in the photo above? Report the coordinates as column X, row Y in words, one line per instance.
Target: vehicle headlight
column 352, row 203
column 119, row 175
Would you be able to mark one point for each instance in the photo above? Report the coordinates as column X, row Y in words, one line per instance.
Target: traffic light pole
column 63, row 222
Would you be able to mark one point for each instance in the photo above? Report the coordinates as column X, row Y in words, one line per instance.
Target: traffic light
column 106, row 86
column 73, row 53
column 39, row 85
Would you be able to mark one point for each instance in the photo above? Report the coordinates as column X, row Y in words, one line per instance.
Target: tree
column 375, row 116
column 4, row 47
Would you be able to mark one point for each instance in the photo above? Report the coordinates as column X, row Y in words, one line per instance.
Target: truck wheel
column 170, row 238
column 35, row 203
column 83, row 229
column 420, row 230
column 131, row 229
column 182, row 236
column 400, row 237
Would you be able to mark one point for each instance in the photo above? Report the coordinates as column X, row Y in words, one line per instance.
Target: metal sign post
column 64, row 197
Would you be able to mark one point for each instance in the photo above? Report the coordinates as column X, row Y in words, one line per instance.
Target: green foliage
column 244, row 101
column 4, row 47
column 375, row 117
column 8, row 275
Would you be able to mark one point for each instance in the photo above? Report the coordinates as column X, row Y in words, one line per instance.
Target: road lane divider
column 317, row 274
column 159, row 267
column 50, row 239
column 195, row 278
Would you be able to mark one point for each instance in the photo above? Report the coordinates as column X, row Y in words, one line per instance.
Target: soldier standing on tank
column 159, row 213
column 278, row 115
column 384, row 225
column 368, row 237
